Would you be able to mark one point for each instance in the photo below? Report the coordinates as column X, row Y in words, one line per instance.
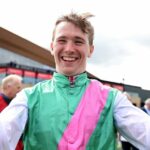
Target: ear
column 51, row 48
column 91, row 49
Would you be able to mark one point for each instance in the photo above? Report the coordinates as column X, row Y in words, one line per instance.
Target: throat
column 72, row 80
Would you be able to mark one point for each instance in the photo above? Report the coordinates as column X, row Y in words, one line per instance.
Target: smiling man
column 70, row 111
column 71, row 46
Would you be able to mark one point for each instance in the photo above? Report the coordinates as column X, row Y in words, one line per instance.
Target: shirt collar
column 7, row 100
column 77, row 80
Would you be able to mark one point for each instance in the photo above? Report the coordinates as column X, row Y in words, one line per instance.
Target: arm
column 12, row 122
column 132, row 122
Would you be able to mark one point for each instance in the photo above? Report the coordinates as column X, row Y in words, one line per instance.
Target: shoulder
column 104, row 90
column 102, row 87
column 143, row 108
column 38, row 87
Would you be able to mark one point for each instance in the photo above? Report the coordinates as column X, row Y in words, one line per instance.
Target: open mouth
column 70, row 59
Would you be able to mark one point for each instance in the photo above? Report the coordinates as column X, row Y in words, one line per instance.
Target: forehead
column 68, row 29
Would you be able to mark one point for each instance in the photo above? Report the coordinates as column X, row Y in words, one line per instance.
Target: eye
column 61, row 41
column 78, row 42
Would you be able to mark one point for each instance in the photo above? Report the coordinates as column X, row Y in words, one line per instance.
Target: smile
column 65, row 58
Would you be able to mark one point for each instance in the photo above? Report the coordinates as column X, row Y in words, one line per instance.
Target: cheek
column 56, row 55
column 57, row 48
column 87, row 53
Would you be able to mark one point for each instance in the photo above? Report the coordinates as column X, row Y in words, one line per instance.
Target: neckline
column 71, row 81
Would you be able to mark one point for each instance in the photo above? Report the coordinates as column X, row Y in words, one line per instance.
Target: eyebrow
column 64, row 36
column 76, row 38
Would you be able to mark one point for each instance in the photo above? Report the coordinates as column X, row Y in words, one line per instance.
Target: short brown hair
column 79, row 21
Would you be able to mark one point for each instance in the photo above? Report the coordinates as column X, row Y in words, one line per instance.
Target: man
column 11, row 85
column 70, row 111
column 146, row 107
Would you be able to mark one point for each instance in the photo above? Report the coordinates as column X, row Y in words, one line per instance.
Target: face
column 70, row 49
column 14, row 88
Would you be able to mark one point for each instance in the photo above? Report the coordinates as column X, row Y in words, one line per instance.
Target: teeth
column 69, row 58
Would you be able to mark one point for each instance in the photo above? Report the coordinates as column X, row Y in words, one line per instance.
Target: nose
column 69, row 46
